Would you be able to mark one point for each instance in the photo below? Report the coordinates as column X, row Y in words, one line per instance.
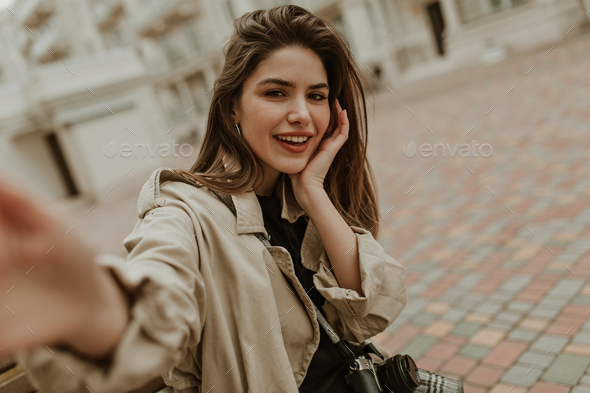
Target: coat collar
column 250, row 220
column 249, row 212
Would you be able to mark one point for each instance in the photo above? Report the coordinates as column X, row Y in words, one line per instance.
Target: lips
column 293, row 148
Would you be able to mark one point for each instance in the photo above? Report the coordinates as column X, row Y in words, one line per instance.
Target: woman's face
column 287, row 94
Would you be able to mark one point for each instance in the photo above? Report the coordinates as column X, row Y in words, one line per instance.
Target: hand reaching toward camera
column 52, row 291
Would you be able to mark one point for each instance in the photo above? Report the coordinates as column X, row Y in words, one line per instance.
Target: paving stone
column 437, row 308
column 433, row 275
column 533, row 324
column 544, row 387
column 513, row 263
column 484, row 375
column 577, row 349
column 580, row 389
column 467, row 303
column 548, row 301
column 582, row 337
column 418, row 346
column 466, row 329
column 522, row 375
column 516, row 283
column 470, row 280
column 567, row 286
column 509, row 316
column 567, row 369
column 488, row 309
column 454, row 315
column 581, row 300
column 478, row 318
column 504, row 388
column 500, row 325
column 460, row 365
column 440, row 351
column 451, row 296
column 487, row 337
column 424, row 319
column 559, row 296
column 523, row 335
column 536, row 359
column 544, row 312
column 550, row 342
column 474, row 351
column 520, row 306
column 585, row 379
column 504, row 297
column 439, row 328
column 415, row 306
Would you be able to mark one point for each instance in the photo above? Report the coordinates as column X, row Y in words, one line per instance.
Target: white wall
column 27, row 162
column 86, row 141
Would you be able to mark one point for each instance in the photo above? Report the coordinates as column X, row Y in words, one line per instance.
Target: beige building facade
column 93, row 92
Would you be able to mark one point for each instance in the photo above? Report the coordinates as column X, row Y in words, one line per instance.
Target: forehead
column 299, row 65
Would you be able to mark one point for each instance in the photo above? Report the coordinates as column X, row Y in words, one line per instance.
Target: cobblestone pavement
column 496, row 249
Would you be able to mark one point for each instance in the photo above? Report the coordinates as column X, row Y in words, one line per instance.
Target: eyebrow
column 290, row 84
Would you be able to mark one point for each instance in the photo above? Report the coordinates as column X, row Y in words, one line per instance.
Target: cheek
column 261, row 116
column 323, row 124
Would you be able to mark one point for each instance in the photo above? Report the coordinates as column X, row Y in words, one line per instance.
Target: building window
column 474, row 9
column 193, row 36
column 61, row 163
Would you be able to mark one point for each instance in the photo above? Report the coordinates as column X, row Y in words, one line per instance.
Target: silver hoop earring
column 239, row 132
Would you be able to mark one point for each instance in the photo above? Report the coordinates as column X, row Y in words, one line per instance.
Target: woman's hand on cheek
column 311, row 178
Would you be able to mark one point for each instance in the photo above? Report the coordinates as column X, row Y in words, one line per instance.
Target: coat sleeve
column 383, row 280
column 161, row 278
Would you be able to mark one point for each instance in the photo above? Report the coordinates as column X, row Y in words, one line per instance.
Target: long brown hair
column 226, row 164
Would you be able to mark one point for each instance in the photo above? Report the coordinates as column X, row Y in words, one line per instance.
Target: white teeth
column 296, row 139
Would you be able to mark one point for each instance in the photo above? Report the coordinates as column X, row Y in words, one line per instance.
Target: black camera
column 397, row 374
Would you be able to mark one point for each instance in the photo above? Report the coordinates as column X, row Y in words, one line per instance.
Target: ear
column 234, row 112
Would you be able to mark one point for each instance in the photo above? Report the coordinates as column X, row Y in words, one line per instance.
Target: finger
column 346, row 123
column 19, row 209
column 15, row 207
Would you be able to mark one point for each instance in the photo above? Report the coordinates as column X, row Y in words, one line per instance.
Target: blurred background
column 496, row 248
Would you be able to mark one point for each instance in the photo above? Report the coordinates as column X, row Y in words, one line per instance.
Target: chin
column 292, row 170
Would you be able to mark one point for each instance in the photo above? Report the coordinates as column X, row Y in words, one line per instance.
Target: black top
column 326, row 370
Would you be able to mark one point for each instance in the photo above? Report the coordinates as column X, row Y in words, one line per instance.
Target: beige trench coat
column 212, row 309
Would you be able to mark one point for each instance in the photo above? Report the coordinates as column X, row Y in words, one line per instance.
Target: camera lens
column 399, row 374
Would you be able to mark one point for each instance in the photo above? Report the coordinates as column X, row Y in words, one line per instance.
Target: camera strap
column 346, row 353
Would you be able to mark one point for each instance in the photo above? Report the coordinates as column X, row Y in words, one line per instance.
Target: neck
column 269, row 187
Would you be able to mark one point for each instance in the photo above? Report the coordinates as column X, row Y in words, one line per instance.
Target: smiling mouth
column 294, row 143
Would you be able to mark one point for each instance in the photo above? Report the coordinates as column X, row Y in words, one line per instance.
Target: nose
column 298, row 112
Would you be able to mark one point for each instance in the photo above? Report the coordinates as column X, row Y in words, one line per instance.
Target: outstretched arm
column 56, row 293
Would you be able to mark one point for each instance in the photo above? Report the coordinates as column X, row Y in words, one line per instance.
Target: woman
column 199, row 300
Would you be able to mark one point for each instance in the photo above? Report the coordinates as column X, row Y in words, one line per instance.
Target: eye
column 321, row 96
column 270, row 93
